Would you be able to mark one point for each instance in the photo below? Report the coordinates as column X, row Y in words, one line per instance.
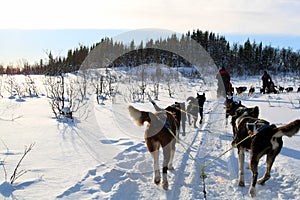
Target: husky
column 272, row 88
column 240, row 90
column 265, row 139
column 195, row 105
column 280, row 89
column 178, row 109
column 251, row 91
column 160, row 132
column 230, row 107
column 289, row 89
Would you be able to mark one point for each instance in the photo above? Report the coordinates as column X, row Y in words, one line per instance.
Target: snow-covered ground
column 104, row 155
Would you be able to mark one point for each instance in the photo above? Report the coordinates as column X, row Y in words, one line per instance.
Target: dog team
column 225, row 86
column 250, row 133
column 162, row 130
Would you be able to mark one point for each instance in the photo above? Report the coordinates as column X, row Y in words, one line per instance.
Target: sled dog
column 266, row 139
column 160, row 132
column 178, row 109
column 194, row 106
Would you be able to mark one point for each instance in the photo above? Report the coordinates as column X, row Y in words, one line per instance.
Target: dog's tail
column 139, row 116
column 288, row 130
column 190, row 99
column 154, row 104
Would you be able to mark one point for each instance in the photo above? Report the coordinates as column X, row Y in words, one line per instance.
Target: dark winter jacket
column 223, row 78
column 266, row 79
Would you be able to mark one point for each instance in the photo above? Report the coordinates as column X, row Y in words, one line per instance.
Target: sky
column 60, row 25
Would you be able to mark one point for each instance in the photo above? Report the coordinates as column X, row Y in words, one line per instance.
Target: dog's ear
column 240, row 103
column 273, row 126
column 203, row 94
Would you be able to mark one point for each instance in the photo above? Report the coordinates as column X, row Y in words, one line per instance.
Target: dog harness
column 257, row 127
column 163, row 119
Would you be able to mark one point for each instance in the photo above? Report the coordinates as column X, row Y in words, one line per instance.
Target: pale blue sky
column 275, row 22
column 17, row 46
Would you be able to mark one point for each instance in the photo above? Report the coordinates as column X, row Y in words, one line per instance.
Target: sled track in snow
column 222, row 174
column 211, row 142
column 188, row 171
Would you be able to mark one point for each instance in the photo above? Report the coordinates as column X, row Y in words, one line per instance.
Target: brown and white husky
column 160, row 131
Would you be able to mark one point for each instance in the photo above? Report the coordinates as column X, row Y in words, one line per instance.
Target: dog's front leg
column 195, row 122
column 189, row 119
column 173, row 148
column 241, row 152
column 226, row 117
column 183, row 127
column 201, row 115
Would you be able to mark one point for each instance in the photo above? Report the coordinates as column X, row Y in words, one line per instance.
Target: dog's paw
column 157, row 180
column 241, row 184
column 165, row 185
column 252, row 192
column 262, row 181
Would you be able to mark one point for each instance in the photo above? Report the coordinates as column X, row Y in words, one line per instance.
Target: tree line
column 249, row 58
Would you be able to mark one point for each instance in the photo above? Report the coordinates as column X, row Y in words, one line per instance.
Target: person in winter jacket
column 224, row 85
column 266, row 80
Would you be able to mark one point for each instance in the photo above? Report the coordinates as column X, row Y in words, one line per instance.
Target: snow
column 104, row 155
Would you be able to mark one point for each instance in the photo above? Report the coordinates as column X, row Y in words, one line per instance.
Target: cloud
column 236, row 16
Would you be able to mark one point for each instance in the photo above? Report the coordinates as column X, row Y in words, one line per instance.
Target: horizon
column 19, row 46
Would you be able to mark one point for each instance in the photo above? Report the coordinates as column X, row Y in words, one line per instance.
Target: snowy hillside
column 103, row 156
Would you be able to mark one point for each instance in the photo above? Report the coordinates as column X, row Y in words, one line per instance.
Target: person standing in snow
column 224, row 85
column 266, row 80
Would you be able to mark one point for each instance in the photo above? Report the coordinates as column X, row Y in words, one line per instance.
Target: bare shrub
column 67, row 94
column 18, row 173
column 30, row 86
column 13, row 87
